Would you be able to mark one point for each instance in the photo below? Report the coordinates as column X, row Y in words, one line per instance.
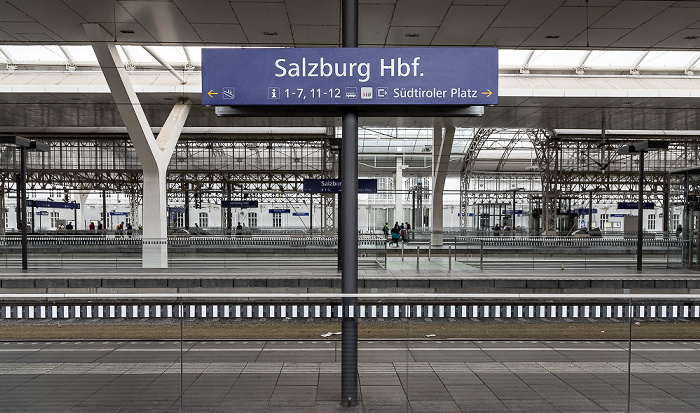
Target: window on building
column 603, row 219
column 179, row 219
column 651, row 221
column 675, row 221
column 54, row 219
column 252, row 220
column 277, row 220
column 204, row 219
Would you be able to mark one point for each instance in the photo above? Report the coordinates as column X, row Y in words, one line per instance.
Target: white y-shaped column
column 154, row 153
column 442, row 148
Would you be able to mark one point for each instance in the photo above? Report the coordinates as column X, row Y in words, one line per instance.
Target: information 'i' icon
column 273, row 93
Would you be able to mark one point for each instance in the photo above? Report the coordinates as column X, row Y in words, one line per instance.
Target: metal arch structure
column 478, row 141
column 547, row 158
column 517, row 137
column 266, row 167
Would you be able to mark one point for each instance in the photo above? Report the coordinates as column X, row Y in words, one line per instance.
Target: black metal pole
column 349, row 359
column 187, row 206
column 104, row 210
column 228, row 208
column 23, row 190
column 311, row 214
column 640, row 212
column 512, row 223
column 590, row 210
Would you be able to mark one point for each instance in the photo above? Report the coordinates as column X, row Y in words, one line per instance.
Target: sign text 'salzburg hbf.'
column 348, row 76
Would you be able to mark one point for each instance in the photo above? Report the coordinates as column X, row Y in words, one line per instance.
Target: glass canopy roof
column 544, row 60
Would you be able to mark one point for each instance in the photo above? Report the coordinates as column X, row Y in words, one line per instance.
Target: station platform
column 294, row 274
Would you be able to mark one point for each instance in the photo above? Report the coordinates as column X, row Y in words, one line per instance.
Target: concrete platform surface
column 436, row 275
column 453, row 375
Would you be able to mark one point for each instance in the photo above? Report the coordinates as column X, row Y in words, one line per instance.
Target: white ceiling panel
column 207, row 11
column 171, row 26
column 598, row 38
column 67, row 27
column 214, row 33
column 522, row 13
column 454, row 30
column 420, row 12
column 328, row 36
column 410, row 36
column 91, row 12
column 374, row 20
column 314, row 12
column 505, row 37
column 566, row 23
column 660, row 27
column 10, row 13
column 260, row 18
column 630, row 14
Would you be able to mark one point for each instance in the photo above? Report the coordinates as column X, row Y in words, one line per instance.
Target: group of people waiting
column 398, row 232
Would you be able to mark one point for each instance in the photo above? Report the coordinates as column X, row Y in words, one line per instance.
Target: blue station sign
column 300, row 214
column 350, row 76
column 634, row 205
column 278, row 210
column 52, row 204
column 335, row 186
column 239, row 204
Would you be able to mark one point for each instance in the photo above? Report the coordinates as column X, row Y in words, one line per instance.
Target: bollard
column 449, row 258
column 417, row 257
column 402, row 252
column 430, row 249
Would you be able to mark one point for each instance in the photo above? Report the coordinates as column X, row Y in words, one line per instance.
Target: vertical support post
column 665, row 221
column 512, row 221
column 2, row 207
column 640, row 212
column 228, row 208
column 418, row 257
column 590, row 210
column 449, row 258
column 349, row 361
column 311, row 214
column 104, row 210
column 23, row 191
column 187, row 204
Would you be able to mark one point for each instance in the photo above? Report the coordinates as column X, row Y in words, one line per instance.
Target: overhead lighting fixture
column 412, row 34
column 691, row 37
column 127, row 31
column 270, row 33
column 552, row 36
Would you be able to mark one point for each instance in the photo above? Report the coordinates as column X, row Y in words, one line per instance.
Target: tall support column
column 442, row 148
column 154, row 153
column 2, row 205
column 349, row 360
column 640, row 212
column 22, row 190
column 398, row 193
column 666, row 220
column 79, row 221
column 187, row 204
column 104, row 210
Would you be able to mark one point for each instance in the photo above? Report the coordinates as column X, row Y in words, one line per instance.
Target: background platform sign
column 239, row 204
column 350, row 76
column 634, row 205
column 334, row 186
column 52, row 204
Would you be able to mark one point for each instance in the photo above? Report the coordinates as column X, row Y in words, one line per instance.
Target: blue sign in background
column 635, row 205
column 52, row 204
column 239, row 204
column 350, row 76
column 334, row 186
